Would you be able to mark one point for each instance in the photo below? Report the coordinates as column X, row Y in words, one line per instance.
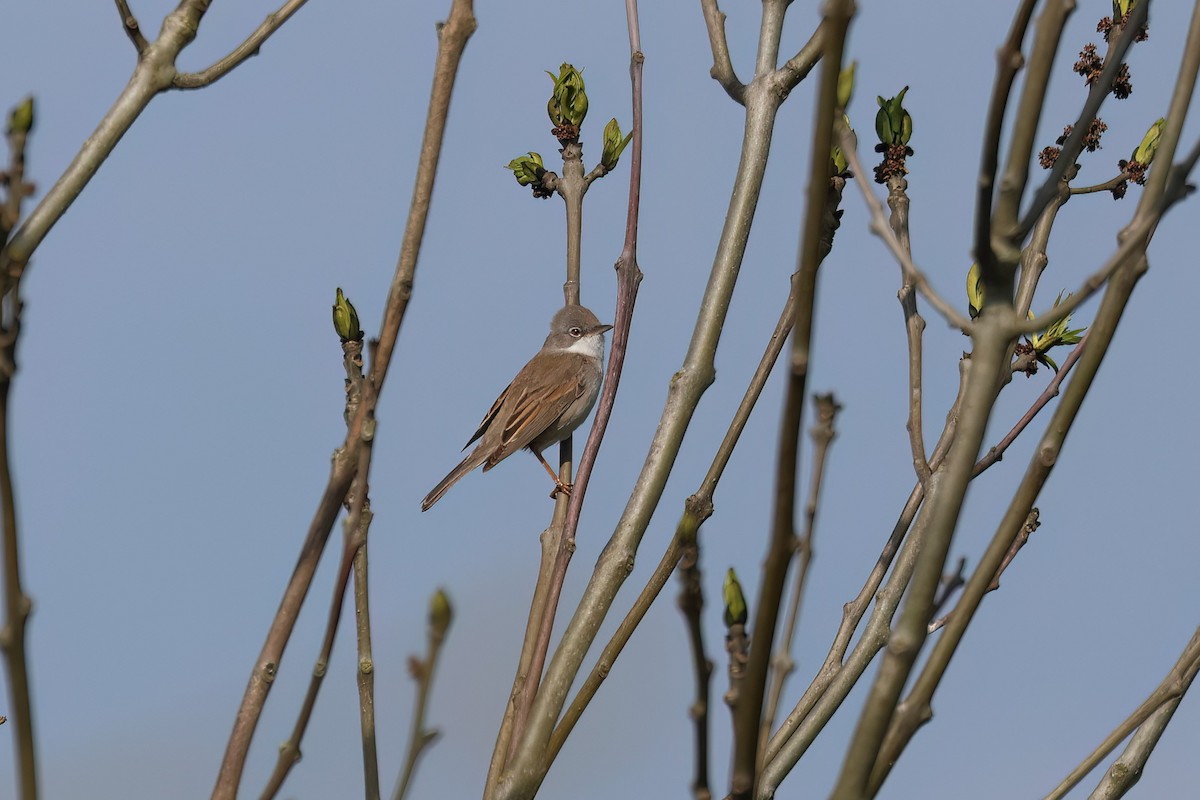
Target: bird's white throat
column 590, row 346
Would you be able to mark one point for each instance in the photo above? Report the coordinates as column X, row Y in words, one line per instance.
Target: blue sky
column 180, row 393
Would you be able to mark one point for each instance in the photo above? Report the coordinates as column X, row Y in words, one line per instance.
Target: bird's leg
column 559, row 486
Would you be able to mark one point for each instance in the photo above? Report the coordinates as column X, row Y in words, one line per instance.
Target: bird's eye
column 575, row 331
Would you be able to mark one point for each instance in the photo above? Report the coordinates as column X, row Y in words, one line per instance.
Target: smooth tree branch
column 17, row 604
column 1125, row 772
column 1028, row 113
column 1166, row 696
column 914, row 328
column 840, row 673
column 452, row 40
column 1031, row 524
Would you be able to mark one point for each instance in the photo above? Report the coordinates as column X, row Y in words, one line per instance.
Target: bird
column 548, row 399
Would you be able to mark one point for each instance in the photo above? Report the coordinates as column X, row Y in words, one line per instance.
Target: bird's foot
column 563, row 488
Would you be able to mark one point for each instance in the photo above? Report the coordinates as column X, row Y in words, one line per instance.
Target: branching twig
column 722, row 68
column 248, row 48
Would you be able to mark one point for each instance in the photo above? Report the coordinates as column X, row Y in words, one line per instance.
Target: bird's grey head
column 577, row 329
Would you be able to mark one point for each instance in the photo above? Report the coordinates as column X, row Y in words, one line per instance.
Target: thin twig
column 17, row 604
column 1042, row 52
column 691, row 603
column 130, row 24
column 1031, row 524
column 248, row 48
column 823, row 433
column 365, row 673
column 422, row 671
column 951, row 583
column 722, row 69
column 996, row 452
column 1170, row 690
column 840, row 673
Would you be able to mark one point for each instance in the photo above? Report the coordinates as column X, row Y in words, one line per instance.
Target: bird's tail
column 473, row 460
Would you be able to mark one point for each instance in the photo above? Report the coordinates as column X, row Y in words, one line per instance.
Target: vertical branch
column 782, row 664
column 691, row 603
column 366, row 666
column 17, row 604
column 748, row 714
column 914, row 327
column 452, row 40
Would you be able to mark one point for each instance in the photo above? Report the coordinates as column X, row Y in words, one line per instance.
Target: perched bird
column 550, row 397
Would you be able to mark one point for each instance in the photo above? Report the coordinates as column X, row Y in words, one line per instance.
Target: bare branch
column 691, row 603
column 130, row 24
column 722, row 68
column 248, row 48
column 796, row 68
column 1009, row 62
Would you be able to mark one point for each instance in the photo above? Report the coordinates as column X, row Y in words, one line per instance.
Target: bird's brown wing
column 528, row 413
column 488, row 417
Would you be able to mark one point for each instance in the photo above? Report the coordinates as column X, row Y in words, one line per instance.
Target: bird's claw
column 564, row 488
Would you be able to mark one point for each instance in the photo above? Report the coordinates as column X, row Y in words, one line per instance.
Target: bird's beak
column 602, row 328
